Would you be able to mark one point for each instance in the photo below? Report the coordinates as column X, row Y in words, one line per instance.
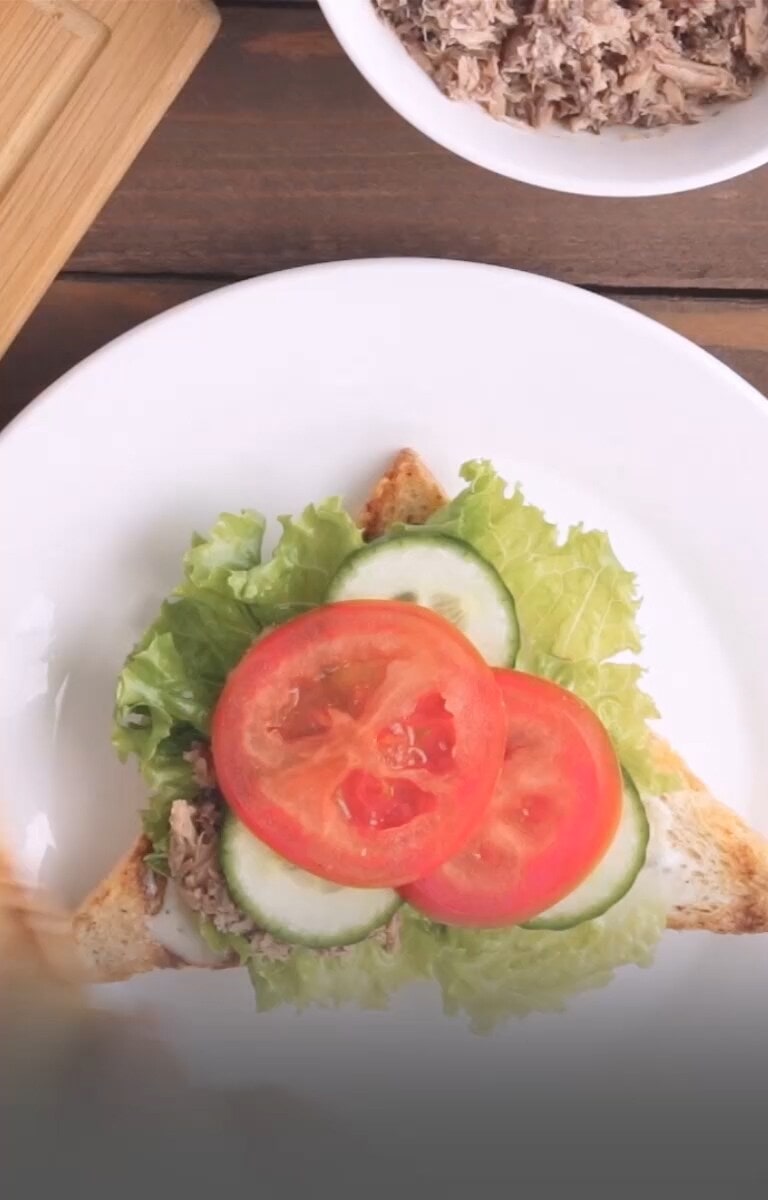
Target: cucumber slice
column 614, row 874
column 441, row 573
column 293, row 905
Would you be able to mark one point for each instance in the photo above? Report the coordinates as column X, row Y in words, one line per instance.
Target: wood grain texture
column 80, row 315
column 278, row 153
column 45, row 53
column 84, row 82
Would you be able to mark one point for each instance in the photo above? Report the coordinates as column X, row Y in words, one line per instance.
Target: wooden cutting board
column 82, row 85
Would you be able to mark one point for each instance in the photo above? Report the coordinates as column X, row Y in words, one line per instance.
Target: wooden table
column 277, row 153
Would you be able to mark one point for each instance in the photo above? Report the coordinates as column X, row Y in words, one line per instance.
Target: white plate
column 282, row 390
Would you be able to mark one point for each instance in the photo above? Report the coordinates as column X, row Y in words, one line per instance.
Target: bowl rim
column 336, row 13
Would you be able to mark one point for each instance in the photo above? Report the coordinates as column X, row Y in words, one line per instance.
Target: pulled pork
column 587, row 63
column 193, row 859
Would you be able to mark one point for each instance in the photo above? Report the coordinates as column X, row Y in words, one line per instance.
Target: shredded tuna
column 391, row 934
column 153, row 886
column 587, row 63
column 193, row 859
column 199, row 758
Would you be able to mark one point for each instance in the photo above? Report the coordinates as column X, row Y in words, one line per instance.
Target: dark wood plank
column 79, row 315
column 278, row 153
column 734, row 330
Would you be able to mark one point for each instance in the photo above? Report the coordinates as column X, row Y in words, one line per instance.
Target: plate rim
column 587, row 297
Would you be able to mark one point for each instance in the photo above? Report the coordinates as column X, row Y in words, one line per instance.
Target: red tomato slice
column 362, row 741
column 554, row 813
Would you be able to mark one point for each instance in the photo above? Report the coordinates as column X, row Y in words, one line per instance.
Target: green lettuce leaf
column 613, row 691
column 573, row 598
column 307, row 557
column 492, row 975
column 169, row 685
column 488, row 975
column 220, row 942
column 576, row 604
column 234, row 544
column 166, row 693
column 366, row 975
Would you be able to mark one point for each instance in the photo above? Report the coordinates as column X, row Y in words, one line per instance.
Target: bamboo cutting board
column 82, row 85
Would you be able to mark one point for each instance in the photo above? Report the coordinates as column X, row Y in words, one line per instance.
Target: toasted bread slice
column 720, row 880
column 124, row 945
column 407, row 494
column 133, row 922
column 115, row 923
column 719, row 874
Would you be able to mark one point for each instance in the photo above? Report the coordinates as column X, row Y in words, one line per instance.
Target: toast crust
column 720, row 883
column 407, row 493
column 110, row 927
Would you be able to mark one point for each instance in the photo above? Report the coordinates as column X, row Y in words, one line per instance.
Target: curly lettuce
column 366, row 974
column 577, row 607
column 487, row 975
column 494, row 974
column 576, row 604
column 228, row 597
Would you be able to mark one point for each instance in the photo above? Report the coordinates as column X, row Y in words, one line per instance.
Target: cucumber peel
column 439, row 572
column 294, row 905
column 613, row 876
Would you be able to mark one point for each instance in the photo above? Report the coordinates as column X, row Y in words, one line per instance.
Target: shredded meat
column 199, row 758
column 390, row 934
column 587, row 63
column 193, row 859
column 153, row 887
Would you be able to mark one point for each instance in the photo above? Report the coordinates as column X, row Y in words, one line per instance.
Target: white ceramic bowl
column 619, row 162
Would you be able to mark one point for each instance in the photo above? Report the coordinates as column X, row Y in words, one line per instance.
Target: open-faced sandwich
column 404, row 749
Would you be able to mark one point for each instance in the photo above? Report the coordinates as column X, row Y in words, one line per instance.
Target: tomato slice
column 362, row 741
column 554, row 813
